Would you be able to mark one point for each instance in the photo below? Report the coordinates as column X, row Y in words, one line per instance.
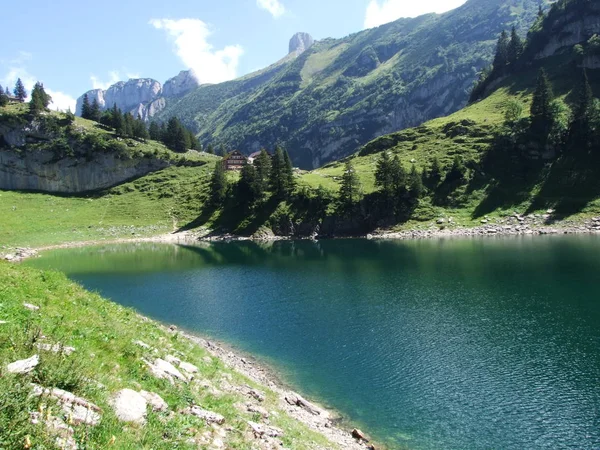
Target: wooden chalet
column 234, row 160
column 13, row 99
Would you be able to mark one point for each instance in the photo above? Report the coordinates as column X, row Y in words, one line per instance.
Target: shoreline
column 516, row 225
column 326, row 421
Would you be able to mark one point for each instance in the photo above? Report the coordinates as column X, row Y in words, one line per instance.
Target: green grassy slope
column 107, row 359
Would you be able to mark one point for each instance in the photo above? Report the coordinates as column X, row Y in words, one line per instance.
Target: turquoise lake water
column 437, row 344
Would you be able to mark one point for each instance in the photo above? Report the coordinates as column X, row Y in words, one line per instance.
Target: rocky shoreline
column 319, row 419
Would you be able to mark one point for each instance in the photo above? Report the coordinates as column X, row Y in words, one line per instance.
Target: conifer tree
column 39, row 99
column 154, row 131
column 384, row 177
column 117, row 119
column 210, row 149
column 435, row 174
column 139, row 129
column 276, row 182
column 248, row 186
column 542, row 115
column 85, row 107
column 263, row 169
column 218, row 184
column 19, row 90
column 3, row 97
column 501, row 58
column 515, row 47
column 94, row 111
column 350, row 189
column 581, row 127
column 288, row 175
column 415, row 182
column 398, row 177
column 7, row 91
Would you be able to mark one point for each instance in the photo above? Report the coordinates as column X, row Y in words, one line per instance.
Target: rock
column 3, row 322
column 297, row 400
column 208, row 416
column 441, row 221
column 155, row 401
column 31, row 307
column 56, row 348
column 180, row 85
column 189, row 368
column 142, row 344
column 129, row 406
column 359, row 435
column 258, row 410
column 164, row 370
column 300, row 42
column 80, row 415
column 207, row 360
column 264, row 430
column 172, row 359
column 24, row 366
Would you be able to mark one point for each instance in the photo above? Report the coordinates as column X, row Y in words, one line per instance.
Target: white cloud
column 98, row 84
column 275, row 7
column 190, row 37
column 60, row 100
column 384, row 11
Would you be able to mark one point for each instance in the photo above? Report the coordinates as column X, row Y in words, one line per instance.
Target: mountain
column 338, row 94
column 142, row 97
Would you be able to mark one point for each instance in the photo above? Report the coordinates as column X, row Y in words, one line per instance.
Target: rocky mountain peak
column 300, row 42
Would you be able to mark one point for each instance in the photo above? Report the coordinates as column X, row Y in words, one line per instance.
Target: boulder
column 261, row 430
column 155, row 401
column 208, row 416
column 359, row 435
column 31, row 307
column 24, row 366
column 130, row 406
column 189, row 368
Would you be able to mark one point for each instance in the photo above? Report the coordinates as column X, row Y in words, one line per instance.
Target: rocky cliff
column 143, row 97
column 300, row 42
column 40, row 171
column 48, row 154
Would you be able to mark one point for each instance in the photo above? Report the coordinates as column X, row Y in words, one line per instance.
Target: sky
column 73, row 46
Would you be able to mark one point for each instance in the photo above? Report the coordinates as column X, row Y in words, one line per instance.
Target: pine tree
column 276, row 182
column 218, row 184
column 515, row 47
column 582, row 124
column 415, row 183
column 435, row 174
column 248, row 186
column 39, row 99
column 398, row 177
column 70, row 116
column 501, row 58
column 94, row 111
column 263, row 169
column 7, row 91
column 117, row 120
column 154, row 131
column 289, row 181
column 19, row 90
column 210, row 149
column 384, row 177
column 542, row 116
column 350, row 189
column 139, row 129
column 3, row 97
column 85, row 107
column 458, row 171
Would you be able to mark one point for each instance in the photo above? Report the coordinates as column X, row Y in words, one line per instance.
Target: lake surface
column 437, row 344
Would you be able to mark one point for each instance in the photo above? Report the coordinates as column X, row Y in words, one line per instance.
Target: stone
column 208, row 416
column 142, row 344
column 155, row 401
column 129, row 406
column 172, row 359
column 80, row 415
column 441, row 221
column 24, row 366
column 264, row 430
column 359, row 435
column 297, row 400
column 56, row 348
column 189, row 368
column 31, row 307
column 300, row 42
column 258, row 410
column 164, row 370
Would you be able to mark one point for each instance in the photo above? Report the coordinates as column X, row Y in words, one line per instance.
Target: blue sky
column 73, row 46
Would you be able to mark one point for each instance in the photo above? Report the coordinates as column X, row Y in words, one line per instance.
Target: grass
column 105, row 361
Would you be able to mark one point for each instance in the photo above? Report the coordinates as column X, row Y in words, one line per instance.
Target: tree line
column 172, row 134
column 18, row 92
column 268, row 174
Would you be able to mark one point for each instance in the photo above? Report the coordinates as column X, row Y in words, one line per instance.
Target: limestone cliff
column 143, row 97
column 300, row 42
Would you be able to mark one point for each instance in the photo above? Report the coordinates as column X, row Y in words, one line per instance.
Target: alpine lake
column 436, row 344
